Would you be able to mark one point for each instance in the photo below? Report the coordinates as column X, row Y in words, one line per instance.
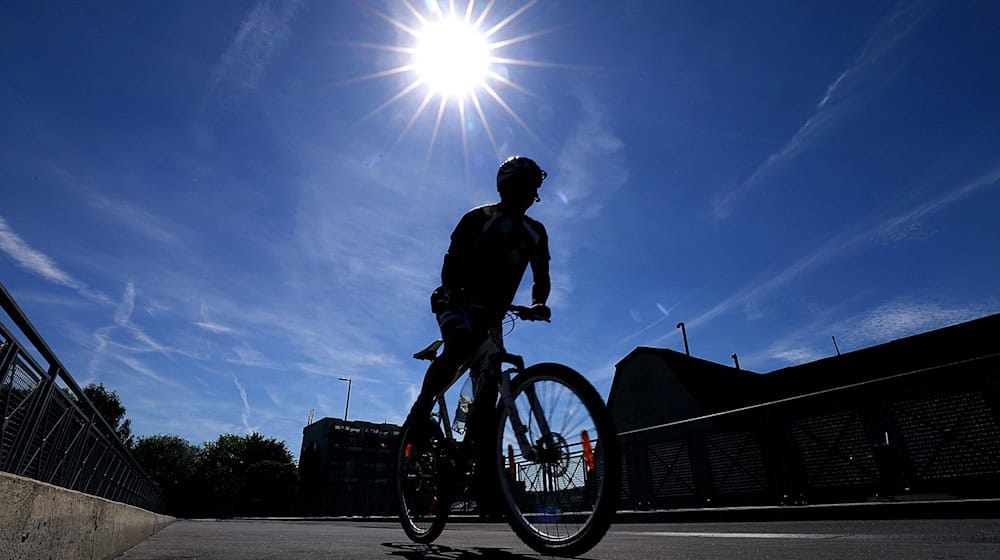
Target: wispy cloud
column 898, row 319
column 127, row 353
column 246, row 356
column 664, row 315
column 906, row 224
column 209, row 325
column 836, row 102
column 591, row 164
column 213, row 327
column 886, row 321
column 860, row 238
column 41, row 264
column 127, row 306
column 138, row 220
column 263, row 30
column 246, row 406
column 140, row 367
column 30, row 259
column 123, row 318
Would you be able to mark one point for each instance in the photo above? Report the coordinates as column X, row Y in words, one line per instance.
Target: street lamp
column 348, row 404
column 685, row 333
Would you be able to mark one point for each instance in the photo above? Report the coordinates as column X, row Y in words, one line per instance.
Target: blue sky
column 218, row 209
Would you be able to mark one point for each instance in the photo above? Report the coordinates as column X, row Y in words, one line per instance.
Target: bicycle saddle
column 430, row 352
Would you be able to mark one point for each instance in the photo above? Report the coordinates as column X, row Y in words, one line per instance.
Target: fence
column 928, row 433
column 51, row 431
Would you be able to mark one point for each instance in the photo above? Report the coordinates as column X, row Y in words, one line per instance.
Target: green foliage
column 171, row 462
column 110, row 407
column 232, row 476
column 248, row 475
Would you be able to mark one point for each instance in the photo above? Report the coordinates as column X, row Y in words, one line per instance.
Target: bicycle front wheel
column 560, row 495
column 424, row 479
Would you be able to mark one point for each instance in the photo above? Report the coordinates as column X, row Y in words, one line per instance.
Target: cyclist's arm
column 541, row 285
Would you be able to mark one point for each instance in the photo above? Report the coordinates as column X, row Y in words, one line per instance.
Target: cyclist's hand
column 540, row 312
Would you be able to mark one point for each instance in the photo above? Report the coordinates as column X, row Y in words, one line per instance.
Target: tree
column 110, row 407
column 171, row 462
column 247, row 475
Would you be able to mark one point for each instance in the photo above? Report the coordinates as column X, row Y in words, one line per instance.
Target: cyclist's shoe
column 419, row 422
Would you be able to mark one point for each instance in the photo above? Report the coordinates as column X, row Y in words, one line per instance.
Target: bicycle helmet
column 519, row 173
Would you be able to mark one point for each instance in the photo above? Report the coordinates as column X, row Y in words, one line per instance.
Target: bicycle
column 553, row 458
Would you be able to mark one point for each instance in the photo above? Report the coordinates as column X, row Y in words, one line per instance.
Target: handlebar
column 526, row 313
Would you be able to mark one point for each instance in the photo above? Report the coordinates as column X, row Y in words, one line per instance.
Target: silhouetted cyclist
column 490, row 249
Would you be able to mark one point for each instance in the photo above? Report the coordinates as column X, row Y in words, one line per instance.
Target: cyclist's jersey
column 489, row 252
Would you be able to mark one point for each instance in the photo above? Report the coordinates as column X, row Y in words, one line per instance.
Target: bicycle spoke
column 553, row 495
column 423, row 500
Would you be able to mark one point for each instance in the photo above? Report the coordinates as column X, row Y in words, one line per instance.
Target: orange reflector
column 434, row 505
column 406, row 452
column 510, row 459
column 588, row 450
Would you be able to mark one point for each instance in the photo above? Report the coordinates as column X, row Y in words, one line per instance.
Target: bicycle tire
column 423, row 484
column 553, row 518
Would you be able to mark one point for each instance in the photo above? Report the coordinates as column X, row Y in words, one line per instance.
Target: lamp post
column 348, row 404
column 685, row 333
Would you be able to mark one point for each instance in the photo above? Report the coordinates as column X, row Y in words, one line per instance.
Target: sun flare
column 452, row 57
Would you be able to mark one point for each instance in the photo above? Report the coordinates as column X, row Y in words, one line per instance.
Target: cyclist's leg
column 438, row 375
column 460, row 340
column 482, row 427
column 482, row 430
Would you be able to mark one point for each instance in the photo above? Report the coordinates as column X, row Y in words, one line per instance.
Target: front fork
column 528, row 448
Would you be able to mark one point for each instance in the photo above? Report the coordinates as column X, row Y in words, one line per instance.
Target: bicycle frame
column 486, row 365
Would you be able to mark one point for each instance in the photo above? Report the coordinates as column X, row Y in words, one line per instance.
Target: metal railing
column 926, row 433
column 49, row 429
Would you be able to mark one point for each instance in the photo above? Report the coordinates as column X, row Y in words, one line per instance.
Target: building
column 346, row 467
column 915, row 417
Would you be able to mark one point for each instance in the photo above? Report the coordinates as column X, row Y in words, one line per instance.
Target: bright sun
column 452, row 57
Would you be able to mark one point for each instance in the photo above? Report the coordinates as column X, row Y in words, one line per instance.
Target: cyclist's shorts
column 453, row 319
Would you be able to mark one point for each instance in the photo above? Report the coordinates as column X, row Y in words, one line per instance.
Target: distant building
column 654, row 386
column 914, row 417
column 346, row 467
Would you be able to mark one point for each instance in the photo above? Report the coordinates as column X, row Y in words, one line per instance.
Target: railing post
column 7, row 354
column 51, row 442
column 704, row 486
column 34, row 416
column 635, row 451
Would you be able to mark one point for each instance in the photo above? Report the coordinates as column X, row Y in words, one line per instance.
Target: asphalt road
column 801, row 540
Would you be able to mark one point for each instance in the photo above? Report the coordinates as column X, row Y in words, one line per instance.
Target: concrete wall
column 41, row 521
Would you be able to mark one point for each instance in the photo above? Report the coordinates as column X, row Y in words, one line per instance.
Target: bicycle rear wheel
column 424, row 481
column 561, row 501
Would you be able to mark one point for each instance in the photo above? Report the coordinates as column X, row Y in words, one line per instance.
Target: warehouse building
column 915, row 418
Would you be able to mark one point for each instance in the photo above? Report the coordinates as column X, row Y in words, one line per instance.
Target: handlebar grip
column 526, row 313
